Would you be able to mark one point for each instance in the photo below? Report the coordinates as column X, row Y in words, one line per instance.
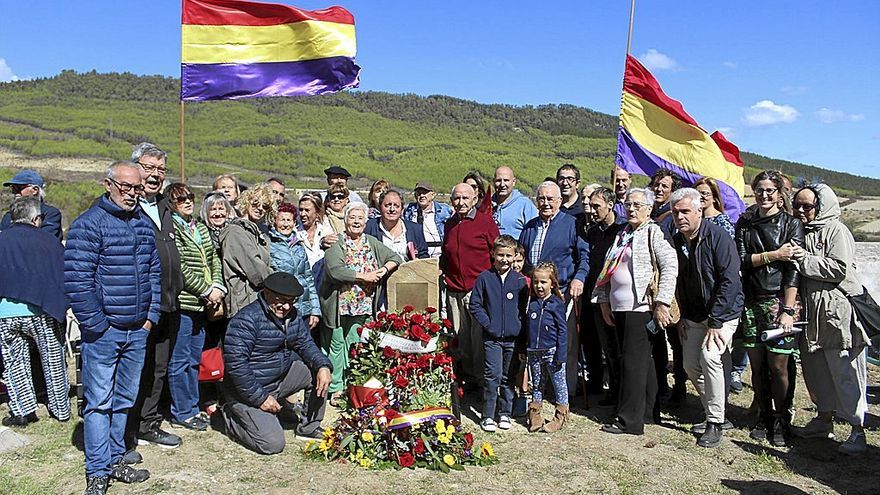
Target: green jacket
column 337, row 273
column 199, row 264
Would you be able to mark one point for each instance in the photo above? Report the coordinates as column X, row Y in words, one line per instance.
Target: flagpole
column 182, row 173
column 632, row 11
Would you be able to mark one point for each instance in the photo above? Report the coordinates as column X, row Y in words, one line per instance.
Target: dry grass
column 580, row 459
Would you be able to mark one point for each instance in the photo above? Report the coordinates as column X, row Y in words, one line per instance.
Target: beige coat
column 246, row 263
column 828, row 273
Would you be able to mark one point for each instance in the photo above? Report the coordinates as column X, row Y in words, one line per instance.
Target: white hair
column 647, row 193
column 549, row 185
column 111, row 170
column 686, row 193
column 356, row 205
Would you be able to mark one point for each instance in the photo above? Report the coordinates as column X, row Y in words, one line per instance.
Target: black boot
column 96, row 485
column 711, row 438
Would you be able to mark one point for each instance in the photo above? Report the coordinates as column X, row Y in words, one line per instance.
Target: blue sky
column 793, row 80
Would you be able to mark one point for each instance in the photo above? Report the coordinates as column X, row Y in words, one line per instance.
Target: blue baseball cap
column 25, row 178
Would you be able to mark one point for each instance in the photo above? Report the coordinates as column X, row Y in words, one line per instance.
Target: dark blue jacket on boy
column 547, row 326
column 499, row 306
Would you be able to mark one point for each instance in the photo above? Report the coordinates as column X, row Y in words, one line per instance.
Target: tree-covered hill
column 403, row 138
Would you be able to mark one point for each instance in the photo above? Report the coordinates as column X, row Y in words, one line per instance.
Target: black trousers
column 591, row 347
column 145, row 412
column 638, row 378
column 610, row 342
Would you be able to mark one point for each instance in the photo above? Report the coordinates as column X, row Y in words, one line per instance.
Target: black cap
column 336, row 170
column 284, row 284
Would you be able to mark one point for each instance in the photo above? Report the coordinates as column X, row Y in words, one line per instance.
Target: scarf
column 615, row 255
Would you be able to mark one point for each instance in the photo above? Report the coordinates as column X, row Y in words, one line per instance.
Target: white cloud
column 654, row 60
column 794, row 90
column 765, row 112
column 828, row 116
column 729, row 132
column 6, row 73
column 729, row 64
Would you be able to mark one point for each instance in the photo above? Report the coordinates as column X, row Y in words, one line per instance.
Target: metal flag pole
column 182, row 173
column 632, row 11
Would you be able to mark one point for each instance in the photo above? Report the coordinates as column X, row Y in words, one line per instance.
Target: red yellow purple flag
column 655, row 132
column 238, row 49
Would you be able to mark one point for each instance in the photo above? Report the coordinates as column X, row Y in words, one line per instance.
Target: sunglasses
column 184, row 199
column 804, row 207
column 337, row 197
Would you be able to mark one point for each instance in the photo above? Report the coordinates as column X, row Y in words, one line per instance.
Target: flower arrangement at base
column 397, row 415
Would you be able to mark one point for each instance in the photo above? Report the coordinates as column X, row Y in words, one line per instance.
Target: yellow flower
column 324, row 446
column 366, row 463
column 440, row 426
column 450, row 430
column 486, row 450
column 328, row 432
column 444, row 439
column 367, row 436
column 309, row 445
column 449, row 459
column 359, row 455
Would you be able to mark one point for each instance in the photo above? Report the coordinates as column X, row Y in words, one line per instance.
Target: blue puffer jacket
column 111, row 269
column 259, row 349
column 289, row 256
column 547, row 326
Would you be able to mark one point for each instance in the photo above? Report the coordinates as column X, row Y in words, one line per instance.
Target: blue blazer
column 562, row 246
column 414, row 235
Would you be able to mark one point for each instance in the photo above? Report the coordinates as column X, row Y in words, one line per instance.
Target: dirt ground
column 579, row 459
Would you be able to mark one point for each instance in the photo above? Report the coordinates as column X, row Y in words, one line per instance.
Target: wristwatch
column 788, row 310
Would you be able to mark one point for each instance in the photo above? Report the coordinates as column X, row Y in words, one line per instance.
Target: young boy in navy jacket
column 498, row 302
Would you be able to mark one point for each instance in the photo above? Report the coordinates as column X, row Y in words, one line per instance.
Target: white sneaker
column 504, row 423
column 855, row 444
column 816, row 428
column 488, row 425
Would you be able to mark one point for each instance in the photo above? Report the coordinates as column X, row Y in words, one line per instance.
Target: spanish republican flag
column 237, row 49
column 655, row 132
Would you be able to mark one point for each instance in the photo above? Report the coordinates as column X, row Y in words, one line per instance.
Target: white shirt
column 314, row 251
column 429, row 227
column 396, row 244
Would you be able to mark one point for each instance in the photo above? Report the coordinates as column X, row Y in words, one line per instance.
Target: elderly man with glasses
column 270, row 356
column 553, row 237
column 111, row 276
column 145, row 420
column 29, row 183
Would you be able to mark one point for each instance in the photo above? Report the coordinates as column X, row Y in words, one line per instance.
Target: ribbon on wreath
column 408, row 419
column 361, row 396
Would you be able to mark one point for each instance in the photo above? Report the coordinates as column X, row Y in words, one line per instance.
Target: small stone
column 10, row 440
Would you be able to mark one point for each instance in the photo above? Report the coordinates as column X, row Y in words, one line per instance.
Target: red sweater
column 467, row 246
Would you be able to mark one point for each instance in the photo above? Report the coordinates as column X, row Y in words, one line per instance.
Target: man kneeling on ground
column 269, row 355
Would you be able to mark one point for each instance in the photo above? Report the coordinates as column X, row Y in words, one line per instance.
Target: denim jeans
column 183, row 366
column 499, row 372
column 111, row 374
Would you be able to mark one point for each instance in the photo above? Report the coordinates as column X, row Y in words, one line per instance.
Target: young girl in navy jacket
column 547, row 345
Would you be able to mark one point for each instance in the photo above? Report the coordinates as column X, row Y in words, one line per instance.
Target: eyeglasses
column 184, row 199
column 18, row 188
column 804, row 207
column 259, row 206
column 126, row 188
column 770, row 191
column 568, row 180
column 153, row 168
column 706, row 194
column 337, row 197
column 629, row 205
column 545, row 199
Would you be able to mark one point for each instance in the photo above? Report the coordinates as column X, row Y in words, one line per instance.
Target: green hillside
column 403, row 138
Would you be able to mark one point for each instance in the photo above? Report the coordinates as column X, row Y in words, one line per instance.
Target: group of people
column 579, row 282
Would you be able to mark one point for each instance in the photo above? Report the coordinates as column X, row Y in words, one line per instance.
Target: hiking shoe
column 816, row 428
column 759, row 431
column 195, row 423
column 777, row 436
column 96, row 485
column 700, row 428
column 711, row 437
column 736, row 384
column 855, row 444
column 504, row 423
column 159, row 437
column 13, row 420
column 316, row 434
column 132, row 457
column 127, row 474
column 488, row 425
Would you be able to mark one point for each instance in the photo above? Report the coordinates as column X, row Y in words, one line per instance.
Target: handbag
column 211, row 367
column 654, row 286
column 868, row 312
